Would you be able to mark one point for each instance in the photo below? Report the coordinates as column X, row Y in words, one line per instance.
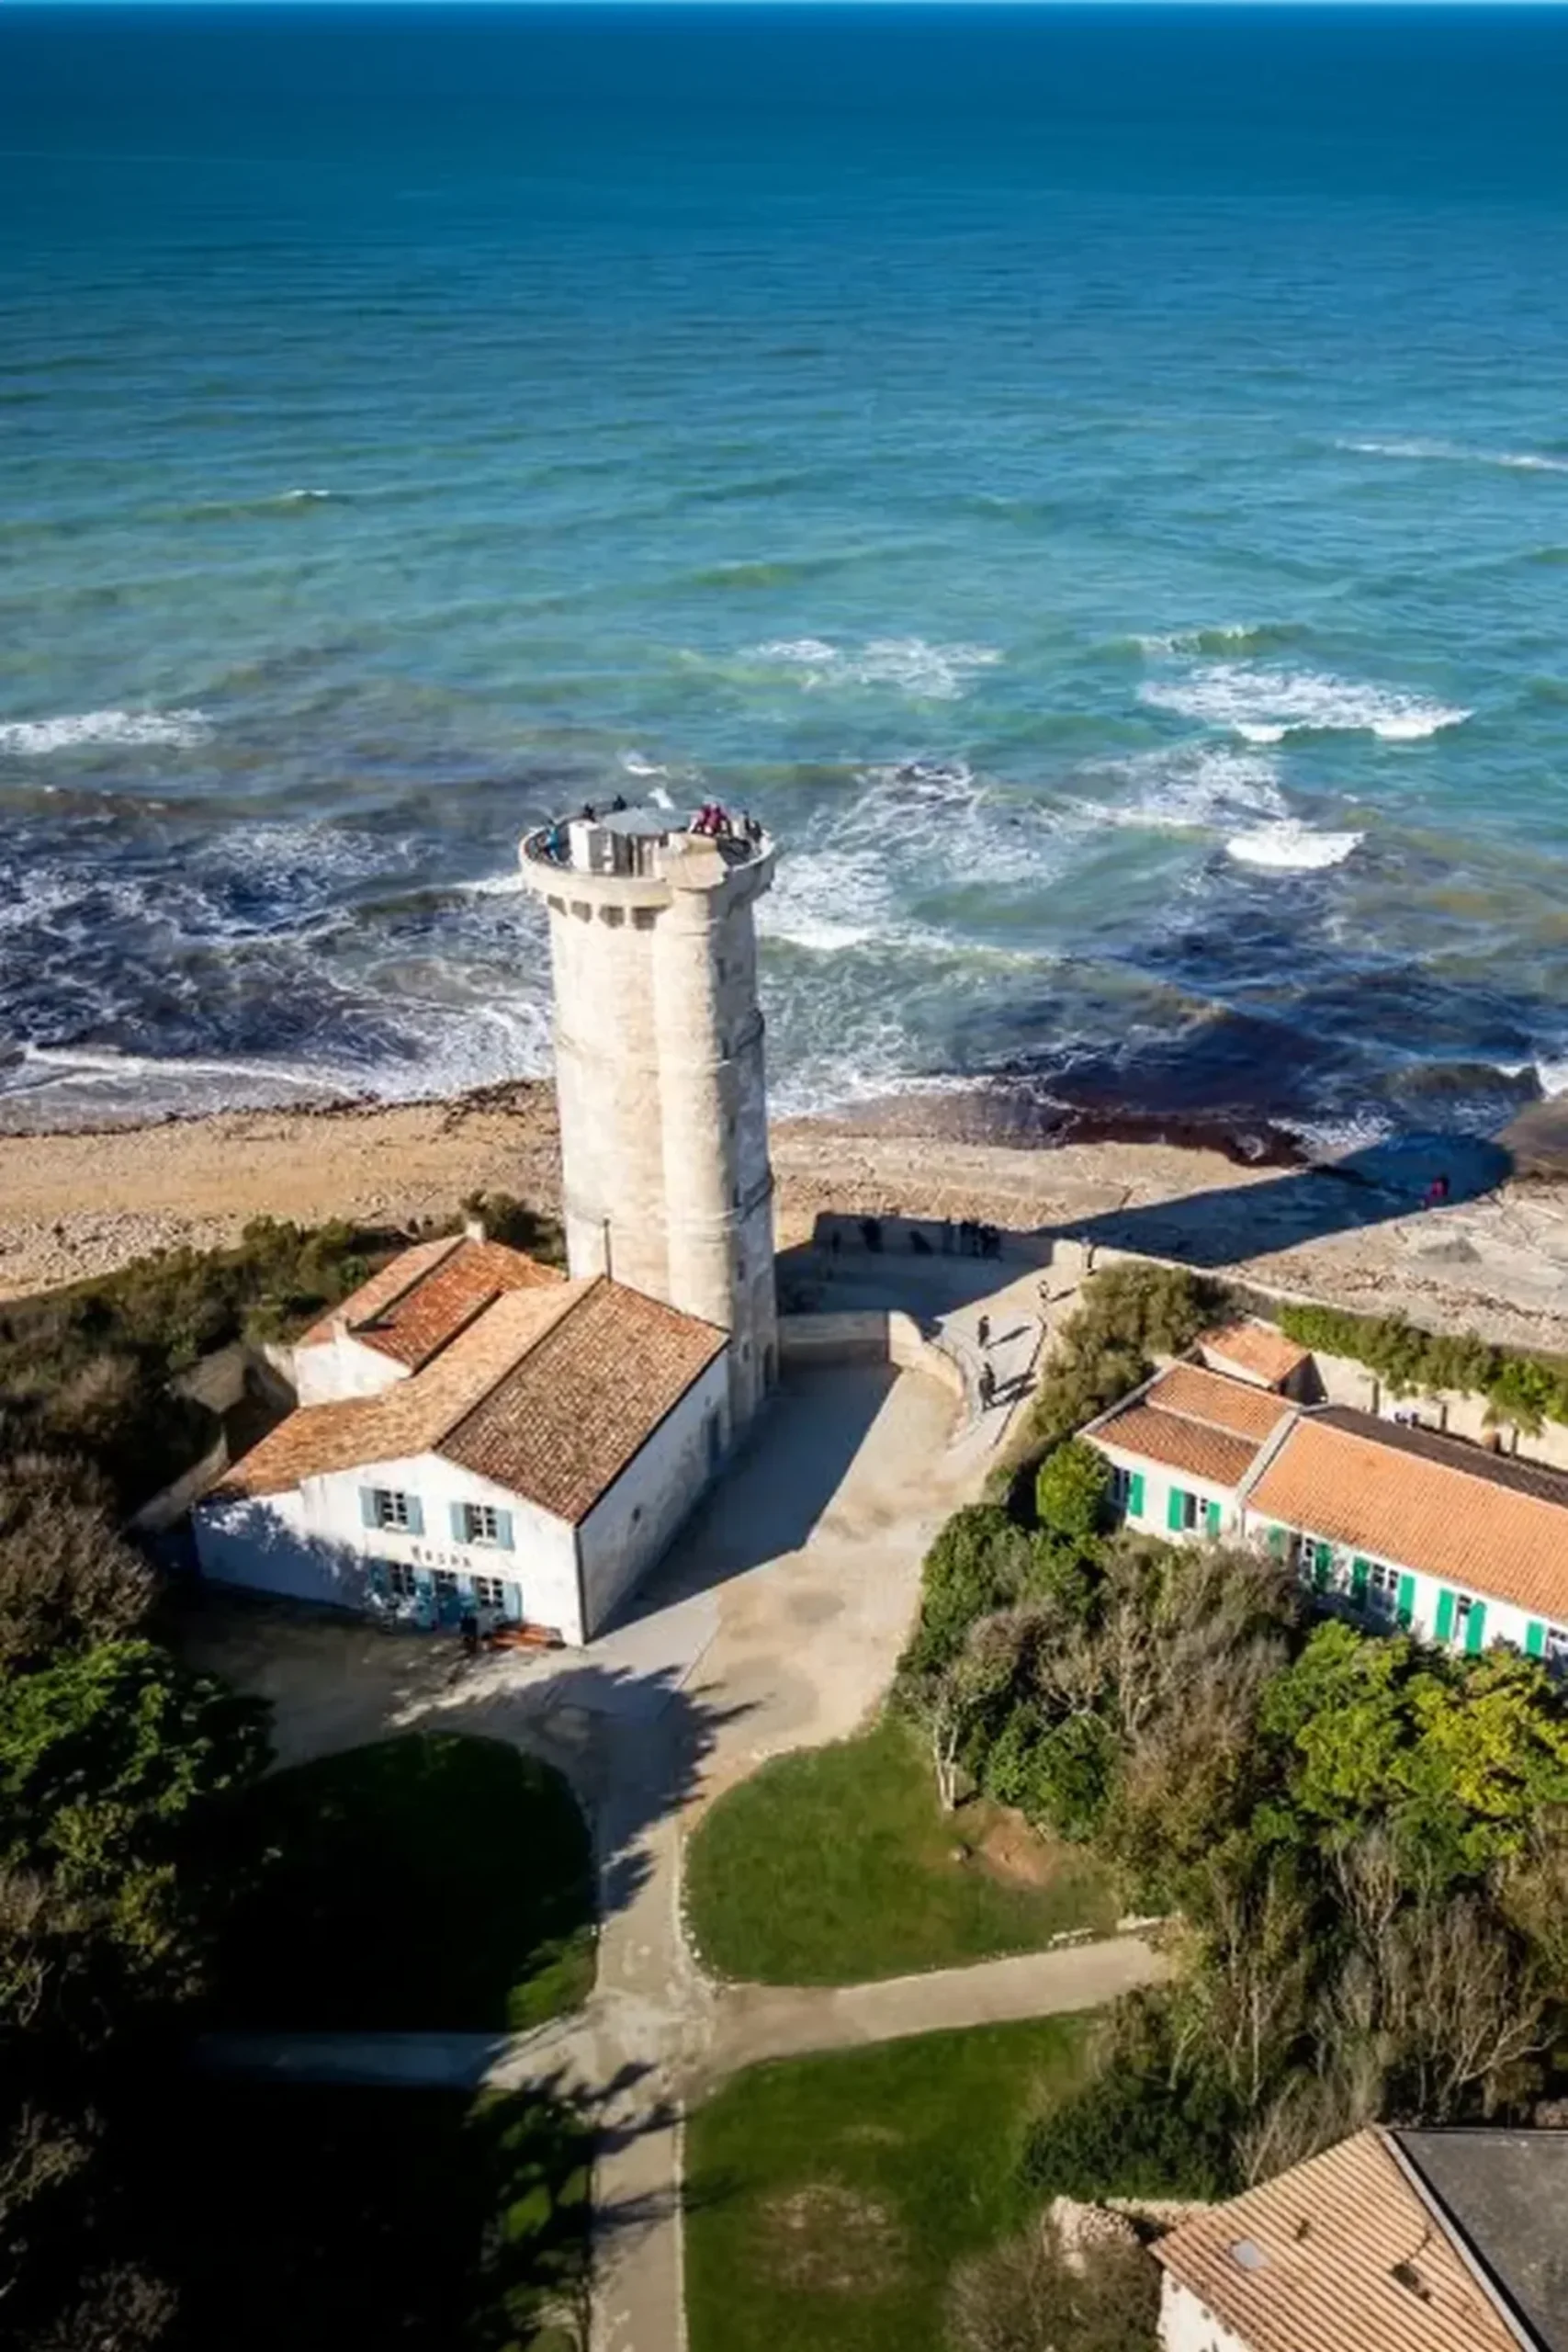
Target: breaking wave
column 36, row 737
column 929, row 673
column 1265, row 705
column 1289, row 847
column 1527, row 461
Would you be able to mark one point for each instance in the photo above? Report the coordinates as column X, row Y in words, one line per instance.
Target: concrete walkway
column 775, row 1622
column 748, row 2025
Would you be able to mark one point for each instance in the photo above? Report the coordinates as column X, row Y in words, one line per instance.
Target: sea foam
column 1265, row 705
column 1525, row 462
column 929, row 673
column 35, row 738
column 1291, row 847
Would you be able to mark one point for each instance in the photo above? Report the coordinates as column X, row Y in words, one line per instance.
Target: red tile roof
column 549, row 1392
column 417, row 1305
column 1443, row 1517
column 564, row 1423
column 1232, row 1405
column 1196, row 1421
column 1337, row 2254
column 1256, row 1349
column 1177, row 1443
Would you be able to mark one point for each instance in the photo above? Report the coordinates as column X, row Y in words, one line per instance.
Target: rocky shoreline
column 1493, row 1259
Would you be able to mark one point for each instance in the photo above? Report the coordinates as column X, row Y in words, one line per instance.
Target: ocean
column 1093, row 481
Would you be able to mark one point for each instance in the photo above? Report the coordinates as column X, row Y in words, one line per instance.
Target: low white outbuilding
column 477, row 1432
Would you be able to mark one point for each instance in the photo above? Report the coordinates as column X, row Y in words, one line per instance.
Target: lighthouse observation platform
column 636, row 857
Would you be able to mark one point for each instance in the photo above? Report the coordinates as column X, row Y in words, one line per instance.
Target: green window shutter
column 503, row 1530
column 1322, row 1562
column 1176, row 1510
column 416, row 1516
column 459, row 1523
column 1404, row 1604
column 1278, row 1539
column 1360, row 1571
column 1535, row 1639
column 367, row 1507
column 1445, row 1615
column 1476, row 1628
column 1135, row 1495
column 1213, row 1515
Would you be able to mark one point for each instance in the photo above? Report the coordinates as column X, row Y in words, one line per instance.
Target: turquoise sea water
column 1096, row 481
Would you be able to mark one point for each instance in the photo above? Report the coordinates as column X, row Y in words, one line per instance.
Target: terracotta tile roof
column 1232, row 1405
column 1337, row 2254
column 413, row 1415
column 372, row 1297
column 550, row 1392
column 1256, row 1349
column 1209, row 1454
column 417, row 1305
column 1337, row 1476
column 563, row 1425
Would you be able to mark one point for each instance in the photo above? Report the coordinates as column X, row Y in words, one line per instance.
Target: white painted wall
column 1155, row 1517
column 1187, row 2326
column 261, row 1542
column 311, row 1542
column 632, row 1524
column 342, row 1366
column 1504, row 1621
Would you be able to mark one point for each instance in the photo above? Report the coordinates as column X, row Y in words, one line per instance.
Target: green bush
column 1072, row 1493
column 1524, row 1390
column 1058, row 1775
column 1132, row 2133
column 977, row 1564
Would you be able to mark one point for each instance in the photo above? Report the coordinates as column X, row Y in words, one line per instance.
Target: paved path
column 747, row 2025
column 775, row 1623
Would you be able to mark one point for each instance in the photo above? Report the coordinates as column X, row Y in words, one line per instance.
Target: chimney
column 474, row 1229
column 340, row 1326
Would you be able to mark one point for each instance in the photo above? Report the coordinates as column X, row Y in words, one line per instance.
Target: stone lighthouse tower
column 659, row 1068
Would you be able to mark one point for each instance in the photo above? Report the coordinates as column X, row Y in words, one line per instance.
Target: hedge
column 1524, row 1390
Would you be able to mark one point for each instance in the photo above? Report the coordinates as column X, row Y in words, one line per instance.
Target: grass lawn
column 838, row 1864
column 828, row 2199
column 429, row 1882
column 324, row 2219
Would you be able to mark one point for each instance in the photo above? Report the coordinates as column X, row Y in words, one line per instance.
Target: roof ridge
column 450, row 1427
column 1435, row 2205
column 395, row 1298
column 1314, row 1413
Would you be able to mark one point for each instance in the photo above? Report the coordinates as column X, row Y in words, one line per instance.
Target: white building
column 1395, row 1525
column 476, row 1430
column 1393, row 2241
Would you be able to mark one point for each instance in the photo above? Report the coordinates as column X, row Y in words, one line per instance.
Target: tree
column 67, row 1576
column 111, row 1757
column 1037, row 2293
column 1072, row 1493
column 978, row 1563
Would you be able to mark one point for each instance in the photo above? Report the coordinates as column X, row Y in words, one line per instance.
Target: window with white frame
column 1192, row 1511
column 446, row 1581
column 488, row 1592
column 1382, row 1589
column 1121, row 1487
column 392, row 1508
column 1555, row 1649
column 398, row 1577
column 481, row 1523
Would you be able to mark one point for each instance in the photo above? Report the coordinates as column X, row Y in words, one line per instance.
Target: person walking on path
column 987, row 1386
column 983, row 1330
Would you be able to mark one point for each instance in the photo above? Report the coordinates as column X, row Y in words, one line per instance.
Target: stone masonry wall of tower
column 660, row 1074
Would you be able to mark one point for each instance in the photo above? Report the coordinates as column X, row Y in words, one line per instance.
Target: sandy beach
column 76, row 1204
